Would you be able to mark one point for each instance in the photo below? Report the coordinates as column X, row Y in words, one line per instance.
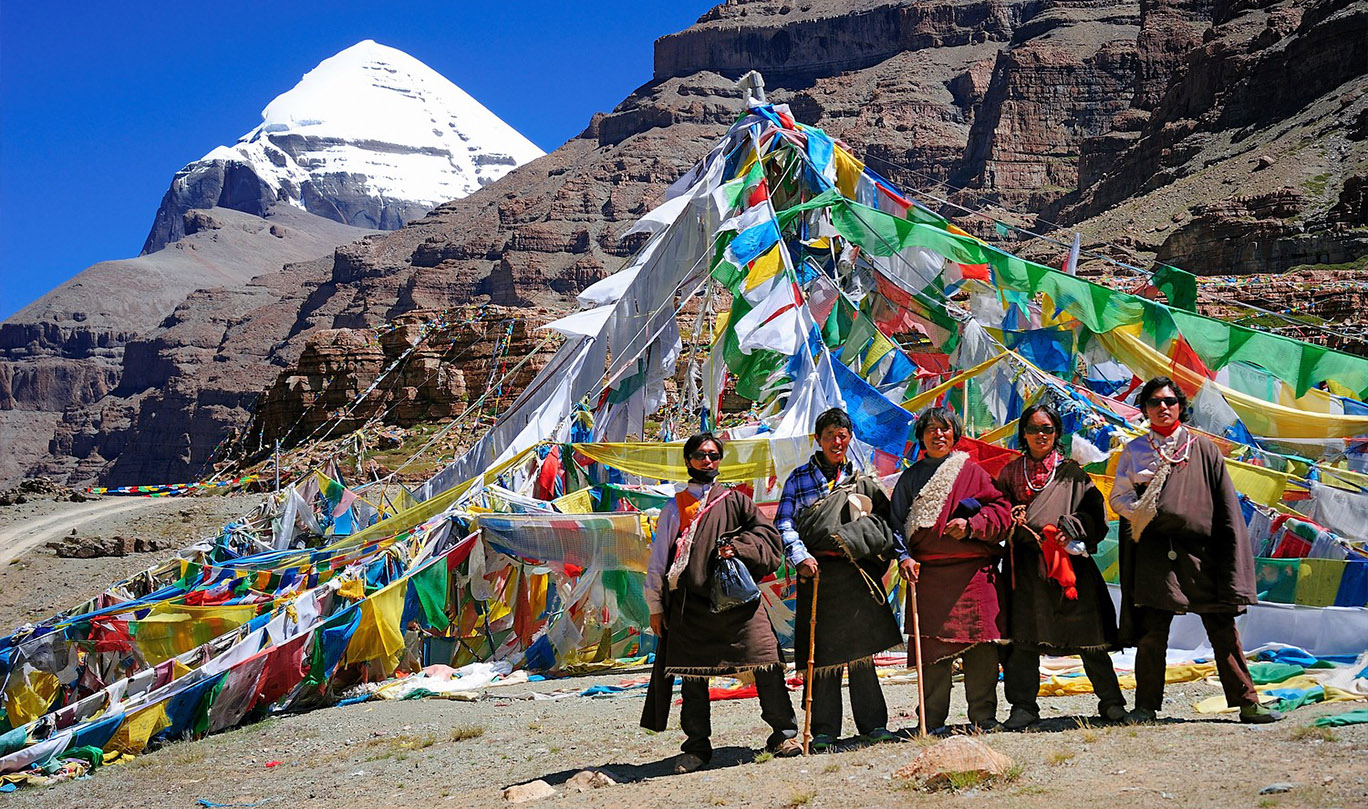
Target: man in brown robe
column 829, row 545
column 1184, row 548
column 703, row 522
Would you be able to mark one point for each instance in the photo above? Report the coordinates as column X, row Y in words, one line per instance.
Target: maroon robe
column 959, row 589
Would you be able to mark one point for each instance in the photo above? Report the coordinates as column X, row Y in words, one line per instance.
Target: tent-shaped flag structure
column 781, row 275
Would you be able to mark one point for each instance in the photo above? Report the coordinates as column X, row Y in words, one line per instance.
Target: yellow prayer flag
column 1318, row 581
column 138, row 727
column 28, row 694
column 1261, row 485
column 745, row 459
column 378, row 635
column 848, row 171
column 169, row 630
column 1104, row 485
column 765, row 268
column 877, row 350
column 580, row 502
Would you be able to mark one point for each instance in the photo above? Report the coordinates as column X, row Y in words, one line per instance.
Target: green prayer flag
column 1179, row 286
column 431, row 585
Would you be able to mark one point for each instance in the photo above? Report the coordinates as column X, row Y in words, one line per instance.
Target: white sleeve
column 1123, row 498
column 667, row 525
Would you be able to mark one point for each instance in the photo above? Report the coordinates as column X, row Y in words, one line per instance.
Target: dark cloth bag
column 830, row 526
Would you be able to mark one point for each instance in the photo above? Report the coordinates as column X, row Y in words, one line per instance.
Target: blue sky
column 101, row 103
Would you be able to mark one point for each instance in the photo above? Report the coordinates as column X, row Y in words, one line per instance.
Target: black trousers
column 695, row 715
column 1021, row 679
column 1152, row 648
column 980, row 665
column 867, row 704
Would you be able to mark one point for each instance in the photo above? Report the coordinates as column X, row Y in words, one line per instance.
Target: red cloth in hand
column 1057, row 564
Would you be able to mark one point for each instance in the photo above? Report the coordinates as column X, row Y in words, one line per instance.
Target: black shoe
column 1020, row 719
column 1142, row 716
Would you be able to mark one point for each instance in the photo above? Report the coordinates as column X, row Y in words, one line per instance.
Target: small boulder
column 585, row 780
column 1264, row 162
column 532, row 791
column 1274, row 789
column 935, row 765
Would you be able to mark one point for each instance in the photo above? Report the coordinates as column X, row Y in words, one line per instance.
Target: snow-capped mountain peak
column 371, row 137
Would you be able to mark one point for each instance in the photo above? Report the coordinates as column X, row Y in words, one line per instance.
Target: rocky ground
column 447, row 753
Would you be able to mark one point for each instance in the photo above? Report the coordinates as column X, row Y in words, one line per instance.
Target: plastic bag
column 732, row 585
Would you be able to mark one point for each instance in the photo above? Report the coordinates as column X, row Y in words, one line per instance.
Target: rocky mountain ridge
column 369, row 139
column 1025, row 112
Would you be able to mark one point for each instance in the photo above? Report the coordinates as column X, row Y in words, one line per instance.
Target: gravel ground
column 447, row 753
column 417, row 753
column 38, row 583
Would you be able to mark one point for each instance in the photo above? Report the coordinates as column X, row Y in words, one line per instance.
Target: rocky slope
column 1255, row 159
column 1051, row 108
column 371, row 138
column 67, row 349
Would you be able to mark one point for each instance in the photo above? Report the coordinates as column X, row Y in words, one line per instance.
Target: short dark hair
column 699, row 440
column 1048, row 410
column 835, row 417
column 944, row 415
column 1159, row 383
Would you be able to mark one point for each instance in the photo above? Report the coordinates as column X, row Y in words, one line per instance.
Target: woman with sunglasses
column 705, row 521
column 1059, row 602
column 1184, row 548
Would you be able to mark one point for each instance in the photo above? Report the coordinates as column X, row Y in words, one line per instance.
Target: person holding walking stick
column 947, row 517
column 834, row 523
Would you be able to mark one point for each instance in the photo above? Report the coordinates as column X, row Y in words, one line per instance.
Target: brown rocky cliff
column 424, row 367
column 1018, row 100
column 1250, row 160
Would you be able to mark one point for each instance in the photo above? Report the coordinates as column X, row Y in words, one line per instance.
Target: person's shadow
column 723, row 757
column 1059, row 724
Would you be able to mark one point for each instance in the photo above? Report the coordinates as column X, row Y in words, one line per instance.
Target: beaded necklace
column 1180, row 458
column 1051, row 468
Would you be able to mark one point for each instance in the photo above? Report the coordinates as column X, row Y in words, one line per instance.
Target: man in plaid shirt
column 853, row 621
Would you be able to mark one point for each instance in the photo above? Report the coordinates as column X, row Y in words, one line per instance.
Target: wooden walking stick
column 916, row 644
column 807, row 681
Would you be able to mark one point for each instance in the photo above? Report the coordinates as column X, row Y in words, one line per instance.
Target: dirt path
column 16, row 539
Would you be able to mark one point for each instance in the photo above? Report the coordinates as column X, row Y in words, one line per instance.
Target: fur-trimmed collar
column 930, row 501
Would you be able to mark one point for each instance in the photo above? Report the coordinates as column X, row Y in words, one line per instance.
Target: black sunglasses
column 700, row 455
column 1166, row 401
column 1036, row 429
